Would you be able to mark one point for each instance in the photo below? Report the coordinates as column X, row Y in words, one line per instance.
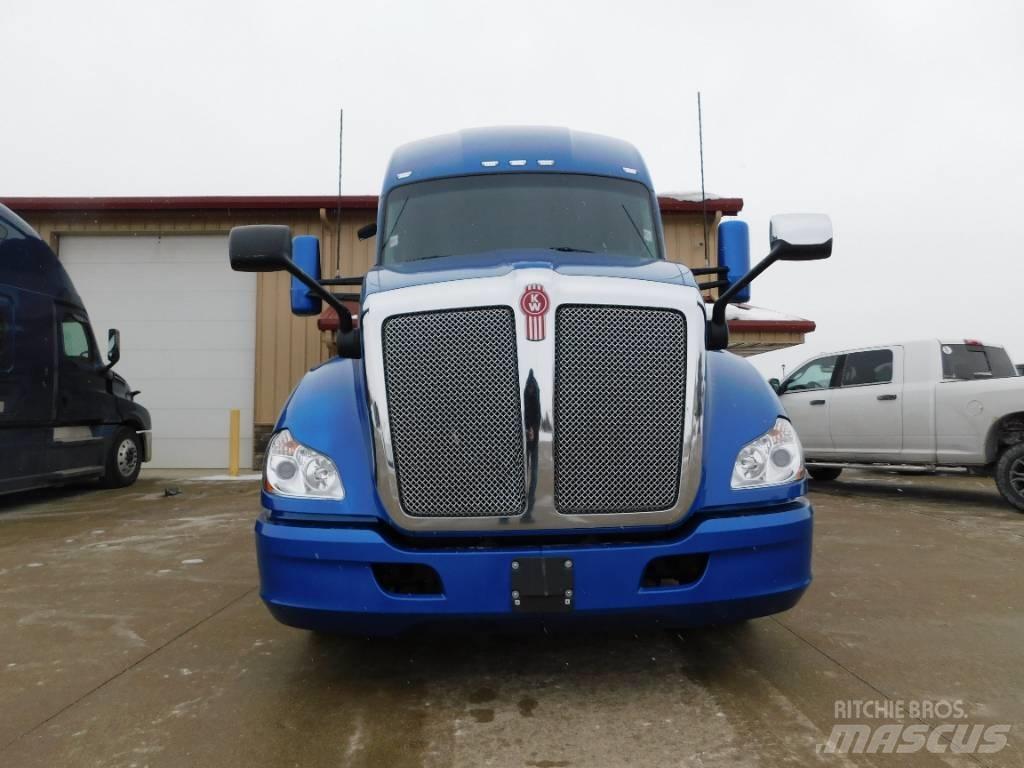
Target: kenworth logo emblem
column 534, row 305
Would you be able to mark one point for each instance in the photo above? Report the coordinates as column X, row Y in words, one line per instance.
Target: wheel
column 1010, row 475
column 824, row 474
column 124, row 459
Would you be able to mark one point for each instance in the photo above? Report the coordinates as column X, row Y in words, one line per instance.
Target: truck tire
column 124, row 459
column 824, row 474
column 1010, row 475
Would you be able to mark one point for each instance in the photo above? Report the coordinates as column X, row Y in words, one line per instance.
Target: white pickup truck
column 920, row 405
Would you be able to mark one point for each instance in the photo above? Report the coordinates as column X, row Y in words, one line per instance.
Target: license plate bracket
column 543, row 584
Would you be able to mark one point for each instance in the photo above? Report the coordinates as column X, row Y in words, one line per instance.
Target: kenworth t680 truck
column 534, row 416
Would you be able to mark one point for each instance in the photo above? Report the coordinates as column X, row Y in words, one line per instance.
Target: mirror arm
column 718, row 313
column 344, row 316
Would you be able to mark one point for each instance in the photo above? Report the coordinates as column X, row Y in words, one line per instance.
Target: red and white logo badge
column 535, row 305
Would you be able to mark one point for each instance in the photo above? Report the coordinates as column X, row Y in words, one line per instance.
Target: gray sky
column 903, row 120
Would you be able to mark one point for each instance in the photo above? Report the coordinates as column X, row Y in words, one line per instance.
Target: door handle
column 887, row 397
column 817, row 402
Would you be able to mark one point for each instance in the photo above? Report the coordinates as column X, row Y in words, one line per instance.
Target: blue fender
column 739, row 406
column 328, row 412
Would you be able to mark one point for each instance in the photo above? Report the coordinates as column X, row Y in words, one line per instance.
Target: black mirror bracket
column 349, row 344
column 344, row 314
column 718, row 327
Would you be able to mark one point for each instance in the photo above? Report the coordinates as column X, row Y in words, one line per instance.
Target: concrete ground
column 131, row 634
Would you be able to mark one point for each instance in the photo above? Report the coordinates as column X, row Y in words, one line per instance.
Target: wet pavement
column 131, row 634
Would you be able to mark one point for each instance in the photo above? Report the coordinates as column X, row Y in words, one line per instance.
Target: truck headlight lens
column 294, row 469
column 775, row 458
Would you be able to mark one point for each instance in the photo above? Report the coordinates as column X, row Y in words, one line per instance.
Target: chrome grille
column 620, row 395
column 452, row 381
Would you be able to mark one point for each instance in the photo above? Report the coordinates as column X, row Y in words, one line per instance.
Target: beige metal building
column 206, row 340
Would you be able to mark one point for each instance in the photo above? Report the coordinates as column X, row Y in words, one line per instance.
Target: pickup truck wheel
column 824, row 474
column 124, row 459
column 1010, row 475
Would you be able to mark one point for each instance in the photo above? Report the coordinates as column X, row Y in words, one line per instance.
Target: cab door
column 805, row 395
column 83, row 402
column 866, row 414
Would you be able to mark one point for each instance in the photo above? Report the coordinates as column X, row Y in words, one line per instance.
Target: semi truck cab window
column 75, row 336
column 557, row 211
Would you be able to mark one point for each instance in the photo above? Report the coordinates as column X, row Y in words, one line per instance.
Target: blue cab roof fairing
column 497, row 263
column 514, row 150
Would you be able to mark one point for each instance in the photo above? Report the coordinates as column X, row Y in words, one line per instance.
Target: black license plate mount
column 543, row 584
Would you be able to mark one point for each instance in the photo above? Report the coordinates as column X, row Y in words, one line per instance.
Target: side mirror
column 268, row 248
column 801, row 236
column 793, row 237
column 367, row 231
column 305, row 256
column 775, row 385
column 113, row 347
column 260, row 248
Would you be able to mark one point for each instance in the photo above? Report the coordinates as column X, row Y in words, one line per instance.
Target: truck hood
column 498, row 263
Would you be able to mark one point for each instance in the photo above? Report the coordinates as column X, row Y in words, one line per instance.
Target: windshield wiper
column 637, row 230
column 567, row 249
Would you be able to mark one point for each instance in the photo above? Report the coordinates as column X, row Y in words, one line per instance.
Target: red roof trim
column 756, row 326
column 247, row 202
column 728, row 206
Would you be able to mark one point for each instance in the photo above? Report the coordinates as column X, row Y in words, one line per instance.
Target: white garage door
column 188, row 335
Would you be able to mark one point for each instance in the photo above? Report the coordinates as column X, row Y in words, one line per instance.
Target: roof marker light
column 517, row 162
column 545, row 162
column 405, row 174
column 488, row 163
column 627, row 169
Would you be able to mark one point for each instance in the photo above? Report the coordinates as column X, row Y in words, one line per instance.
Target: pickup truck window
column 816, row 374
column 871, row 367
column 558, row 211
column 969, row 362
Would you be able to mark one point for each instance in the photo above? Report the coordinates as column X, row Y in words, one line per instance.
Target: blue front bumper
column 321, row 577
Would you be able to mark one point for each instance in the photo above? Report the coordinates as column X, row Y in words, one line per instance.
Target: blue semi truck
column 535, row 416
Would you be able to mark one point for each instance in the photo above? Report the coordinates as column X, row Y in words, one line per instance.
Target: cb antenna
column 703, row 197
column 337, row 224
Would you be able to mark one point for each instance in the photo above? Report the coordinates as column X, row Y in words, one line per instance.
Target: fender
column 328, row 412
column 739, row 407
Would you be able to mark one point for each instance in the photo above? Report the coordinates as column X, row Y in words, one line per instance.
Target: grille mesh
column 620, row 392
column 453, row 402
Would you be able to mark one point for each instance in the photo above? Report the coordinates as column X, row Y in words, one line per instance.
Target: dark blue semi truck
column 65, row 416
column 535, row 417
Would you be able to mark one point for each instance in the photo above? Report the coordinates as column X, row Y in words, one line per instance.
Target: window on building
column 871, row 367
column 816, row 374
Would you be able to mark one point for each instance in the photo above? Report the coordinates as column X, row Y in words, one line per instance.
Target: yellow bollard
column 234, row 440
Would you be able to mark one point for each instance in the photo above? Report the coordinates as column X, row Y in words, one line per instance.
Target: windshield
column 559, row 211
column 975, row 361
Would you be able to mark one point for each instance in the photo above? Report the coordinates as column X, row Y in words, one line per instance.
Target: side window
column 817, row 374
column 6, row 334
column 873, row 367
column 75, row 335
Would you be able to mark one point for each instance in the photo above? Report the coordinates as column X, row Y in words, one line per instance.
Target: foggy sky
column 903, row 120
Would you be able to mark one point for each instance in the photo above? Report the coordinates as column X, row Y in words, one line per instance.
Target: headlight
column 774, row 458
column 295, row 470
